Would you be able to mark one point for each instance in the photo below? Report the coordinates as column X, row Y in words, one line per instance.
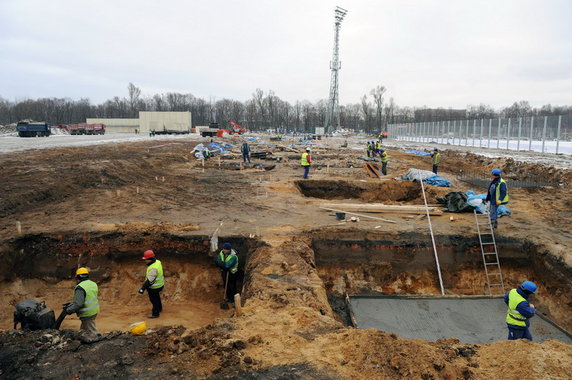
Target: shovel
column 224, row 303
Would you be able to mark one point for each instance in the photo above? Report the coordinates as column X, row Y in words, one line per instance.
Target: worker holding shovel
column 227, row 261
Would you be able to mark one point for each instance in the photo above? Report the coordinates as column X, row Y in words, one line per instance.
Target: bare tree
column 377, row 94
column 134, row 93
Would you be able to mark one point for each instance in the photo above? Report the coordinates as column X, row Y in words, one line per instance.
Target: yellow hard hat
column 82, row 270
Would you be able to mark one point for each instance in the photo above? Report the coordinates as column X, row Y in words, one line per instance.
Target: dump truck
column 27, row 128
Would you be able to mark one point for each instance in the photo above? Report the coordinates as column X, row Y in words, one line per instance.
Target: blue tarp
column 437, row 181
column 219, row 148
column 476, row 200
column 418, row 152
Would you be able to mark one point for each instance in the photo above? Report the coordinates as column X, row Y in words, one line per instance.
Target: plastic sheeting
column 427, row 177
column 418, row 152
column 476, row 200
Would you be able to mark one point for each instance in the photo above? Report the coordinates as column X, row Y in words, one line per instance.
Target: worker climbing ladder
column 489, row 252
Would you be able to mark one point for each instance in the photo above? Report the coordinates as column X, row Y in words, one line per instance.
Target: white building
column 158, row 121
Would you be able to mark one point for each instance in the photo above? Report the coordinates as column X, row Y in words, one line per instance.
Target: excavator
column 237, row 128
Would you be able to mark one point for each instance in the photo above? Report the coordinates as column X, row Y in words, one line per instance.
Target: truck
column 27, row 128
column 86, row 129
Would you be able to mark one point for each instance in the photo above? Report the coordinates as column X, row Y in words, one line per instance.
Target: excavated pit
column 386, row 192
column 357, row 263
column 43, row 267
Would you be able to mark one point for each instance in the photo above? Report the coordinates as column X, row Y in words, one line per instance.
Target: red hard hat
column 148, row 254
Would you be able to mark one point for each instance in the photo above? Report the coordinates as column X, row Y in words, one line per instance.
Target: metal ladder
column 490, row 257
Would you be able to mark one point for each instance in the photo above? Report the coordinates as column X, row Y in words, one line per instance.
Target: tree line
column 264, row 110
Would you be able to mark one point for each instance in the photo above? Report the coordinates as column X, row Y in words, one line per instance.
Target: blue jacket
column 491, row 195
column 523, row 308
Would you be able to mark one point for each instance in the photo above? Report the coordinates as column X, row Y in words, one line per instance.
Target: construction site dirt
column 102, row 206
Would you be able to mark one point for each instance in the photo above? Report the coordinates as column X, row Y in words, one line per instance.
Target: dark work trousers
column 384, row 168
column 518, row 333
column 155, row 298
column 231, row 286
column 435, row 167
column 306, row 170
column 246, row 156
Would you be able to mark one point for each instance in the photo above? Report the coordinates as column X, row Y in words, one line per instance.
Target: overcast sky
column 437, row 53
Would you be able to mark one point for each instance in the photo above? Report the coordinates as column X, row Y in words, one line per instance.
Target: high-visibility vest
column 436, row 158
column 384, row 157
column 160, row 279
column 505, row 199
column 304, row 159
column 378, row 145
column 234, row 268
column 90, row 303
column 513, row 317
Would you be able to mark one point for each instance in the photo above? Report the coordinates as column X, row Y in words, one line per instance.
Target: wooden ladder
column 490, row 257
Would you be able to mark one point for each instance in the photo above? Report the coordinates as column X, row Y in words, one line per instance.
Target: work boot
column 495, row 224
column 153, row 316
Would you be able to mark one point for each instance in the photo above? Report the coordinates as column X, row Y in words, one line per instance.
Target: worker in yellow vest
column 435, row 159
column 497, row 195
column 520, row 311
column 85, row 302
column 306, row 161
column 384, row 161
column 154, row 282
column 227, row 261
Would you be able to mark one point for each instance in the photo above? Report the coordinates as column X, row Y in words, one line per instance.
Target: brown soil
column 102, row 206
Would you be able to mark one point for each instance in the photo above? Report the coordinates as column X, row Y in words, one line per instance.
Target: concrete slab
column 471, row 320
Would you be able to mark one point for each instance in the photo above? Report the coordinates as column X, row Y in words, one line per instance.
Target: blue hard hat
column 227, row 246
column 529, row 286
column 496, row 172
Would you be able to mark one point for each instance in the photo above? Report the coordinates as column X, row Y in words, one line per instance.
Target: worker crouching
column 227, row 261
column 154, row 282
column 85, row 303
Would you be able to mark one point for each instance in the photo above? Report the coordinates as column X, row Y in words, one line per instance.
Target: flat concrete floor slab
column 471, row 320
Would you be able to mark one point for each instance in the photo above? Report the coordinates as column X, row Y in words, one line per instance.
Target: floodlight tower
column 333, row 114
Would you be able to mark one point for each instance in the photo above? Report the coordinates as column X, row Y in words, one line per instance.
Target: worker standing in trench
column 227, row 261
column 497, row 195
column 520, row 311
column 154, row 282
column 85, row 303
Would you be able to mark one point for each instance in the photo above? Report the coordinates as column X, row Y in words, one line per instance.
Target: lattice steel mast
column 333, row 114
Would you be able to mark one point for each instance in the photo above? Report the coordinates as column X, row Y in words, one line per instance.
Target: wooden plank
column 371, row 170
column 380, row 207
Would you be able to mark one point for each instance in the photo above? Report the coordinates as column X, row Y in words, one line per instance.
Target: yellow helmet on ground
column 82, row 270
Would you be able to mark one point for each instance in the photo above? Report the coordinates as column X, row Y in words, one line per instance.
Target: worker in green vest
column 227, row 261
column 85, row 302
column 306, row 161
column 435, row 159
column 154, row 282
column 384, row 161
column 520, row 311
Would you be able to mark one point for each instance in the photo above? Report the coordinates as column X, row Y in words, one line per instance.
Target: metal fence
column 546, row 134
